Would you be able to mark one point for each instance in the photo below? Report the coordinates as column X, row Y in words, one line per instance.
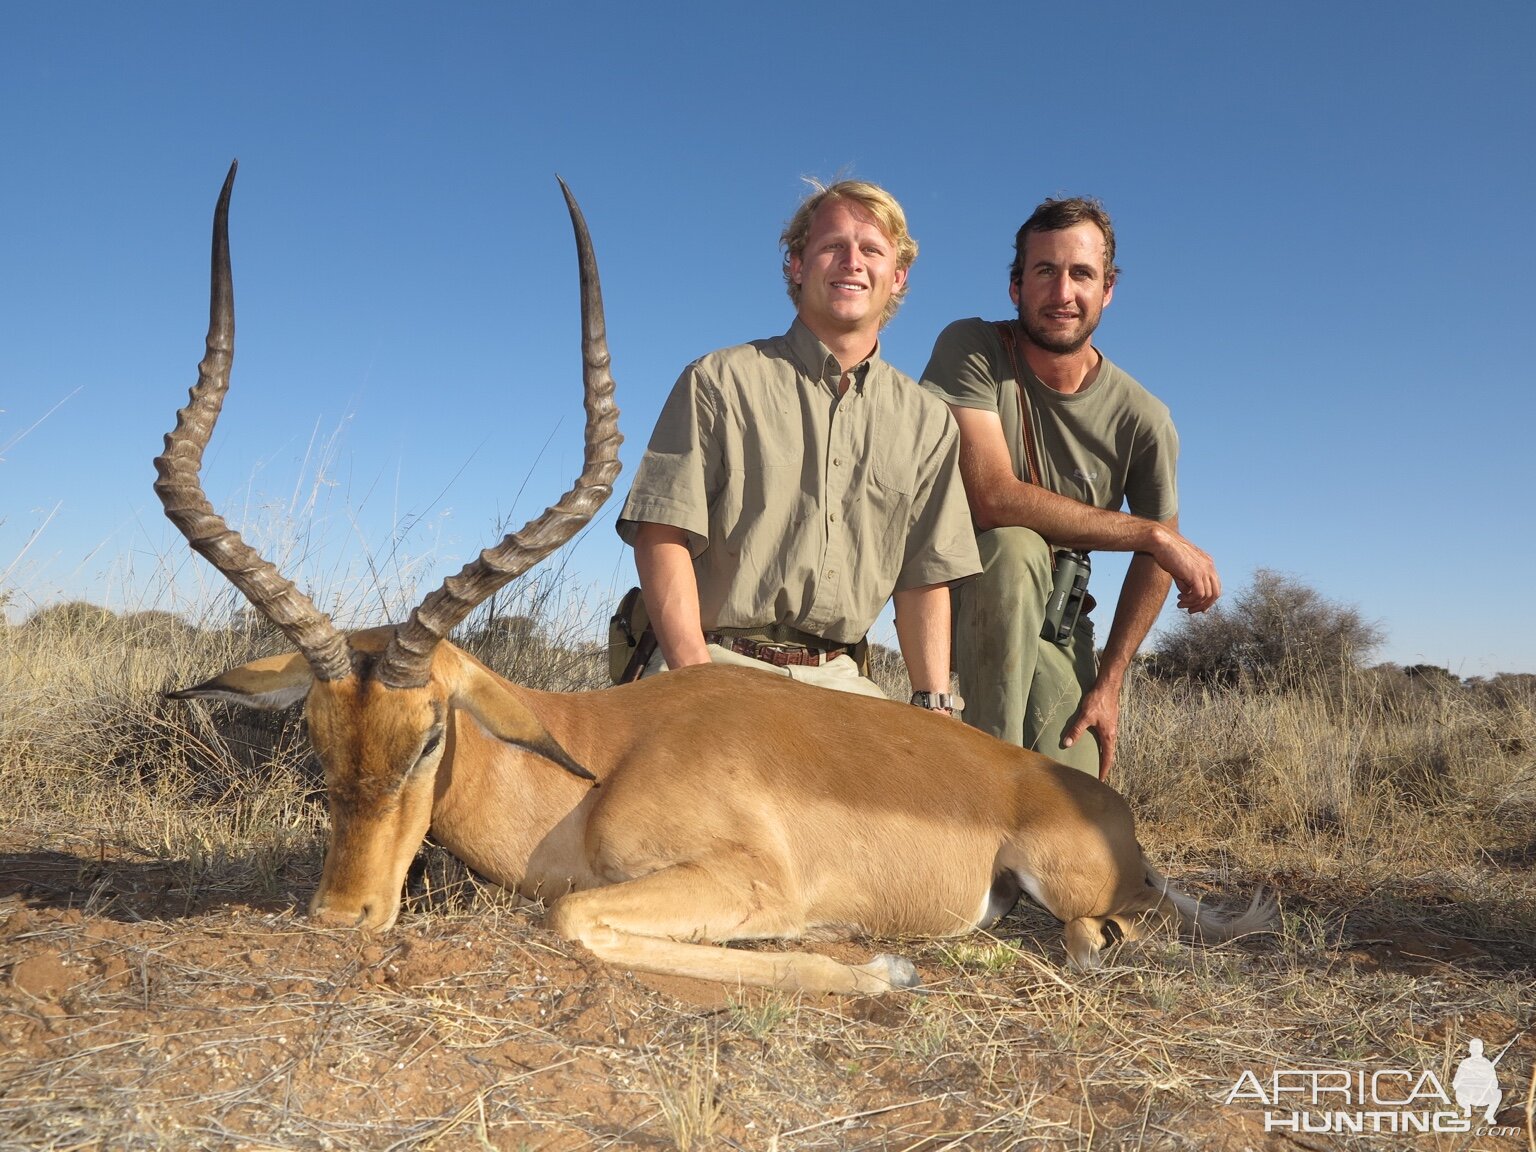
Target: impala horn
column 408, row 657
column 409, row 654
column 180, row 487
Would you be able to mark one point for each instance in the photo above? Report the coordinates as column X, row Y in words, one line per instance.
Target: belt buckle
column 779, row 655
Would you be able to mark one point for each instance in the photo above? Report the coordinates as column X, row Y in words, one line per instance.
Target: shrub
column 71, row 618
column 1277, row 632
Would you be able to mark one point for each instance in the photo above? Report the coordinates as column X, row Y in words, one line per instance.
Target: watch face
column 938, row 701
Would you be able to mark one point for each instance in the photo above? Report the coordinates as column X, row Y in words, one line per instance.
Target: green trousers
column 1016, row 686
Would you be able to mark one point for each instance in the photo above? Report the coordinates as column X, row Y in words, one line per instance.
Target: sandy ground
column 132, row 1017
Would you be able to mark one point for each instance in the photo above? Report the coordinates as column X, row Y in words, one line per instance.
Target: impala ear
column 507, row 718
column 268, row 684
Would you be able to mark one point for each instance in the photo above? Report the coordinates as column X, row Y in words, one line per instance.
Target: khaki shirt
column 804, row 508
column 1112, row 444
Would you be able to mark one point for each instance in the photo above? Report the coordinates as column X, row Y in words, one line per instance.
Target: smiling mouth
column 846, row 286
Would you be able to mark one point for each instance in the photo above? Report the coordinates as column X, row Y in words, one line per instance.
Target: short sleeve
column 961, row 371
column 941, row 543
column 681, row 466
column 1152, row 487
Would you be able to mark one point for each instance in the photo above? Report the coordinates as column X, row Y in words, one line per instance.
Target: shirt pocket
column 892, row 483
column 894, row 454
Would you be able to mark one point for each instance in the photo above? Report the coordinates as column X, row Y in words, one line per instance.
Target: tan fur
column 730, row 806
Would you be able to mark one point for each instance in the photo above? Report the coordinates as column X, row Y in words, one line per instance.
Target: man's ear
column 268, row 684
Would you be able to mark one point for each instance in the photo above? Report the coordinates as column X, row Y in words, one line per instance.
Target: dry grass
column 157, row 988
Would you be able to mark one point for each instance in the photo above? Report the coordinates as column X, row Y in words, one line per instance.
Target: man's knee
column 1016, row 554
column 1012, row 588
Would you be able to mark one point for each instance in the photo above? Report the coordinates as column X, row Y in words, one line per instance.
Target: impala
column 663, row 818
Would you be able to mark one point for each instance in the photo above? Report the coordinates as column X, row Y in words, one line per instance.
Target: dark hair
column 1053, row 216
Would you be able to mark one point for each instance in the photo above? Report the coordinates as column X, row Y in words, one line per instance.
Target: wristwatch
column 938, row 701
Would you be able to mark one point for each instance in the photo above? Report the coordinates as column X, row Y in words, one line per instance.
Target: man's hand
column 1192, row 569
column 1100, row 713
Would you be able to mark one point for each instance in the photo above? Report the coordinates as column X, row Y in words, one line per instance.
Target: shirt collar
column 817, row 362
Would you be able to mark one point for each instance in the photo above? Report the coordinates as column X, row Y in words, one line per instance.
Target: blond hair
column 873, row 199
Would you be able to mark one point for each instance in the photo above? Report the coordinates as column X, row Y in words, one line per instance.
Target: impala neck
column 497, row 807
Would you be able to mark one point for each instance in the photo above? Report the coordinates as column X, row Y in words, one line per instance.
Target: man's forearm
column 1068, row 523
column 1142, row 597
column 922, row 631
column 999, row 499
column 671, row 594
column 1065, row 522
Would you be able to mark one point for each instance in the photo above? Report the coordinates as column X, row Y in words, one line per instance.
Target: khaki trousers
column 1016, row 686
column 840, row 673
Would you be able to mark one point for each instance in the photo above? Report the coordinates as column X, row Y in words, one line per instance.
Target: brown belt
column 779, row 655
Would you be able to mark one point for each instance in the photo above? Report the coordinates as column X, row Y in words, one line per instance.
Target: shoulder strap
column 1010, row 345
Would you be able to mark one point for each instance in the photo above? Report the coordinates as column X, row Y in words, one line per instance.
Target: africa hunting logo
column 1395, row 1101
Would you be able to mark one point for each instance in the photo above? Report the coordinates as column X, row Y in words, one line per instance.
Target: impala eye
column 434, row 738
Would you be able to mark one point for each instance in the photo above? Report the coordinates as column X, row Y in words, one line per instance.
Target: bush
column 71, row 618
column 1277, row 632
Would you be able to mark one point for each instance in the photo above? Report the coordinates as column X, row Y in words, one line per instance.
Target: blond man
column 794, row 485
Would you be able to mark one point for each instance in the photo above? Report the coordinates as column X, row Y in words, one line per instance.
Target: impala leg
column 1085, row 939
column 1135, row 919
column 1142, row 923
column 651, row 923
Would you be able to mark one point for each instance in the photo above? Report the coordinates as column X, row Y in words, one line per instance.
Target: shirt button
column 837, row 461
column 832, row 517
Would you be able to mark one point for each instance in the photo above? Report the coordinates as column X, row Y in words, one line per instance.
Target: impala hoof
column 896, row 971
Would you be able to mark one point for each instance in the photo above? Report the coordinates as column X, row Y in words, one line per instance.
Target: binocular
column 1069, row 584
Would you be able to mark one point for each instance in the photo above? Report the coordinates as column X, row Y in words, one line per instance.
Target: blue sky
column 1324, row 213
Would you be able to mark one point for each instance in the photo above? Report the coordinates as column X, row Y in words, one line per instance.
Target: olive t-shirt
column 1111, row 445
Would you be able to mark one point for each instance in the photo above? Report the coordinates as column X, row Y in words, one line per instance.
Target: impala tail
column 1212, row 925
